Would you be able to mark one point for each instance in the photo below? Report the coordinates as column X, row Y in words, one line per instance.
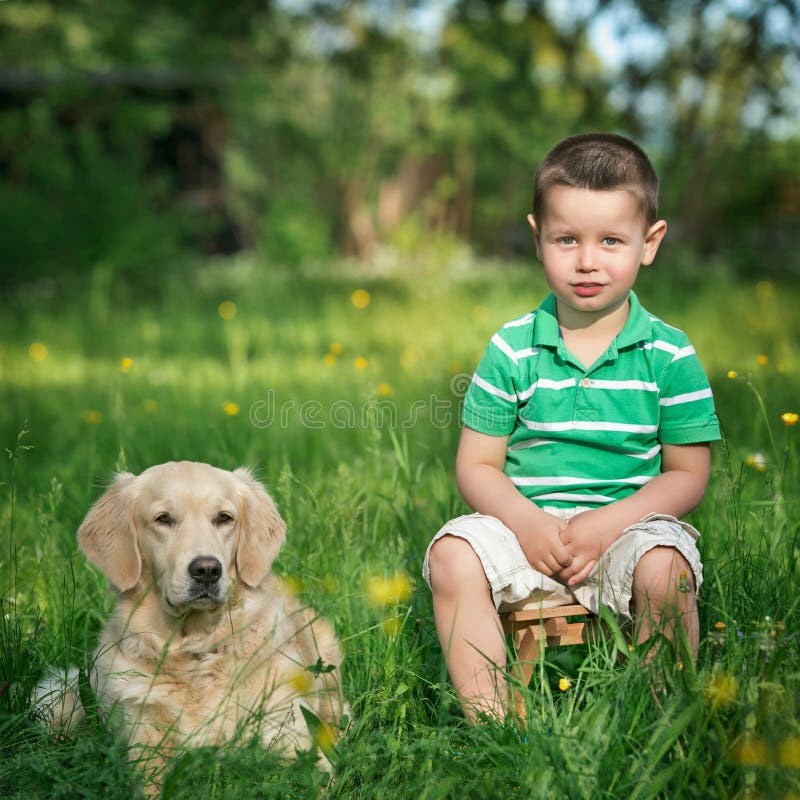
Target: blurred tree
column 716, row 87
column 133, row 131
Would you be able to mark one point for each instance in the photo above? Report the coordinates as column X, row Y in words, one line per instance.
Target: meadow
column 341, row 384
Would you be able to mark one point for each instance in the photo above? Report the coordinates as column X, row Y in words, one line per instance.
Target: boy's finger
column 583, row 574
column 552, row 566
column 562, row 556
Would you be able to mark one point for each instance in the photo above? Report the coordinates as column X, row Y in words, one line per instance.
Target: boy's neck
column 588, row 336
column 600, row 323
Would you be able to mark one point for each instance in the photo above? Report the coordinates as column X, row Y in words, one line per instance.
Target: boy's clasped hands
column 566, row 551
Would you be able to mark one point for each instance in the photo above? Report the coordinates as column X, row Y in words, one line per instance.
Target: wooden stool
column 534, row 628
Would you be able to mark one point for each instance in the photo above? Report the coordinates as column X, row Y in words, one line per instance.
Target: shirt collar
column 637, row 327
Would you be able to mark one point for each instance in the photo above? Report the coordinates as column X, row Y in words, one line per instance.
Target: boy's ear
column 536, row 234
column 652, row 239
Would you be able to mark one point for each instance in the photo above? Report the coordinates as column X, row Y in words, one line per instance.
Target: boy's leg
column 664, row 595
column 468, row 627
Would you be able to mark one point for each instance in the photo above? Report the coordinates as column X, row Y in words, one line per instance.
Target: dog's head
column 188, row 529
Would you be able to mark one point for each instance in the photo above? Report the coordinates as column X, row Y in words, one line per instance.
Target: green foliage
column 325, row 128
column 77, row 196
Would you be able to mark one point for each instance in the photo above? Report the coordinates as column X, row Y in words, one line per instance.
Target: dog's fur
column 204, row 639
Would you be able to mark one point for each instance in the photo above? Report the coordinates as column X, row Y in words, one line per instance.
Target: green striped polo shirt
column 588, row 436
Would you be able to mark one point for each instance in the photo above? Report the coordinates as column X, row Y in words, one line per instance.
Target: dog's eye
column 223, row 518
column 163, row 519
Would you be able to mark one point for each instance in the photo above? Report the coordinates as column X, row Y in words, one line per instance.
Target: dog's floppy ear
column 108, row 534
column 261, row 530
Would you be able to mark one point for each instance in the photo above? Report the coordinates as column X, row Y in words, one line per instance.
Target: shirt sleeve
column 490, row 404
column 686, row 402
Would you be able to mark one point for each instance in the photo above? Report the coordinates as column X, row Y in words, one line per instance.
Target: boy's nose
column 586, row 261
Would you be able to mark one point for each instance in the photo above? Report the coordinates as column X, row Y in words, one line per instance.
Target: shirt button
column 585, row 383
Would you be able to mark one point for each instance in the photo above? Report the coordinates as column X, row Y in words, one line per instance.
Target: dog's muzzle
column 205, row 570
column 205, row 589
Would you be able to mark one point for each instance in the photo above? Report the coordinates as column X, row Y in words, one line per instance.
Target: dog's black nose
column 205, row 569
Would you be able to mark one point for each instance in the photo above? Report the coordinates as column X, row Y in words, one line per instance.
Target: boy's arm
column 488, row 490
column 679, row 488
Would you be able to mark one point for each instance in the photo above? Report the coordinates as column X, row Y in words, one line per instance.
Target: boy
column 586, row 434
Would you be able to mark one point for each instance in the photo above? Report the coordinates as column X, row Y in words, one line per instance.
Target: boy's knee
column 662, row 572
column 454, row 564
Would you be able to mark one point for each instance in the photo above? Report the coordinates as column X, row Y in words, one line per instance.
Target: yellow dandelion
column 789, row 752
column 227, row 309
column 392, row 626
column 330, row 584
column 409, row 358
column 564, row 684
column 360, row 362
column 750, row 751
column 336, row 348
column 679, row 666
column 329, row 359
column 125, row 364
column 763, row 360
column 790, row 418
column 92, row 417
column 38, row 351
column 384, row 390
column 732, row 374
column 325, row 737
column 150, row 406
column 757, row 461
column 721, row 690
column 388, row 591
column 720, row 625
column 230, row 408
column 293, row 584
column 360, row 298
column 301, row 681
column 455, row 367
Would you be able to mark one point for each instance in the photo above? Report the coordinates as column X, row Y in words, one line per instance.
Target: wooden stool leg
column 527, row 645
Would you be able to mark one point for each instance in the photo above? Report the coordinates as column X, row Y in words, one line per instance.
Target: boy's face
column 592, row 244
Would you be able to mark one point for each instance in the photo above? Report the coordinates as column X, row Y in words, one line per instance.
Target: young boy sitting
column 586, row 434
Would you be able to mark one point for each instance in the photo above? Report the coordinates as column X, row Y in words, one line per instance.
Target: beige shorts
column 514, row 583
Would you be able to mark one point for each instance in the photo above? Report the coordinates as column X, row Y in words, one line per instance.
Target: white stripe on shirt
column 577, row 498
column 683, row 353
column 526, row 443
column 677, row 352
column 565, row 480
column 645, row 386
column 589, row 426
column 487, row 387
column 515, row 355
column 689, row 397
column 544, row 383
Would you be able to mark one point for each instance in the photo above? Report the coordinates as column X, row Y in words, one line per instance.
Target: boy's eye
column 610, row 241
column 567, row 240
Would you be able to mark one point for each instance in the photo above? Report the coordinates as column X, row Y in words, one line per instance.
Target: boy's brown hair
column 598, row 161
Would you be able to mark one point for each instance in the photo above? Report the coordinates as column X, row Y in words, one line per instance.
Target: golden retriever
column 204, row 640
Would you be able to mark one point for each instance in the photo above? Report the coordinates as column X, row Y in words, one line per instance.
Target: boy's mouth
column 587, row 289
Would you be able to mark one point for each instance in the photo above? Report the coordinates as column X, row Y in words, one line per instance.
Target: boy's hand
column 479, row 471
column 585, row 538
column 541, row 540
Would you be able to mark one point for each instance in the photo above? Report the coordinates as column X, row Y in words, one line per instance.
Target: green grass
column 359, row 459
